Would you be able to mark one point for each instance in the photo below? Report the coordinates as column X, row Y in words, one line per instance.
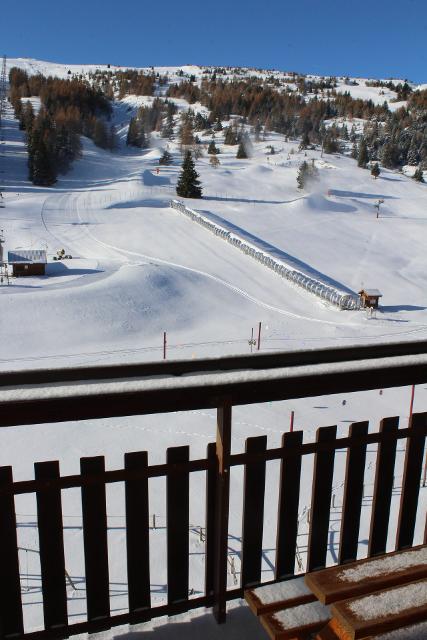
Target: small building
column 27, row 262
column 370, row 298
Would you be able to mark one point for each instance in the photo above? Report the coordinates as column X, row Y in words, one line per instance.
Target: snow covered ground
column 140, row 268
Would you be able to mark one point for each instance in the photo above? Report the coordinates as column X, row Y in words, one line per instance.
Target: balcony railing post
column 223, row 446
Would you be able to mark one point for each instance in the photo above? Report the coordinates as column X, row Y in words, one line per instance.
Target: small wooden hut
column 370, row 298
column 27, row 262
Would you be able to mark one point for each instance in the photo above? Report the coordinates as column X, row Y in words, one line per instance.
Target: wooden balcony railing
column 34, row 397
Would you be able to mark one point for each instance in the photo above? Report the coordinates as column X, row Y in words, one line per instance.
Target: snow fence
column 320, row 289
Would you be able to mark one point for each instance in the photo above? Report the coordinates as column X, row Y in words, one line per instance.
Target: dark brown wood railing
column 274, row 377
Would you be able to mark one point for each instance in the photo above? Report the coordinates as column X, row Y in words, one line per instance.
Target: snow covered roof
column 371, row 292
column 27, row 255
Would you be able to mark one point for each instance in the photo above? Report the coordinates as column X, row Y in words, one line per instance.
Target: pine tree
column 218, row 125
column 389, row 155
column 230, row 136
column 257, row 131
column 354, row 151
column 306, row 173
column 27, row 117
column 136, row 134
column 43, row 170
column 241, row 151
column 167, row 129
column 305, row 141
column 213, row 149
column 302, row 175
column 375, row 170
column 188, row 185
column 166, row 158
column 413, row 155
column 418, row 175
column 362, row 157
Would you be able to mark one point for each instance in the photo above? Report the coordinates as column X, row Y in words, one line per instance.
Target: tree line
column 68, row 108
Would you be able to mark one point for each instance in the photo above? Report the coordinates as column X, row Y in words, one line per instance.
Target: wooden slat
column 223, row 445
column 353, row 495
column 137, row 533
column 107, row 401
column 330, row 585
column 11, row 622
column 287, row 594
column 411, row 482
column 253, row 514
column 321, row 501
column 383, row 489
column 361, row 626
column 298, row 627
column 51, row 544
column 287, row 518
column 177, row 506
column 95, row 540
column 211, row 479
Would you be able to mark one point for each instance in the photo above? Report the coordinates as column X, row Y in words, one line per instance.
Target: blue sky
column 376, row 38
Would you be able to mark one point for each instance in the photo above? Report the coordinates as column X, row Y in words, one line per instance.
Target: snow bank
column 330, row 294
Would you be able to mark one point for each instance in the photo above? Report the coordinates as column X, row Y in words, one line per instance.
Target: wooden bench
column 366, row 576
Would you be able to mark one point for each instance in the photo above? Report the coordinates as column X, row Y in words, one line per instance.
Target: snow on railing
column 330, row 294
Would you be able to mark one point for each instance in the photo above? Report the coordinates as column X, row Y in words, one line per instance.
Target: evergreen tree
column 257, row 131
column 43, row 170
column 167, row 129
column 306, row 173
column 41, row 150
column 389, row 155
column 230, row 136
column 418, row 175
column 166, row 158
column 136, row 134
column 201, row 123
column 241, row 151
column 354, row 151
column 188, row 185
column 362, row 157
column 213, row 149
column 302, row 175
column 27, row 117
column 375, row 170
column 132, row 132
column 218, row 125
column 330, row 143
column 305, row 141
column 413, row 155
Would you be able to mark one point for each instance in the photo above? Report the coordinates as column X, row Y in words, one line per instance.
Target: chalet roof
column 28, row 256
column 371, row 292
